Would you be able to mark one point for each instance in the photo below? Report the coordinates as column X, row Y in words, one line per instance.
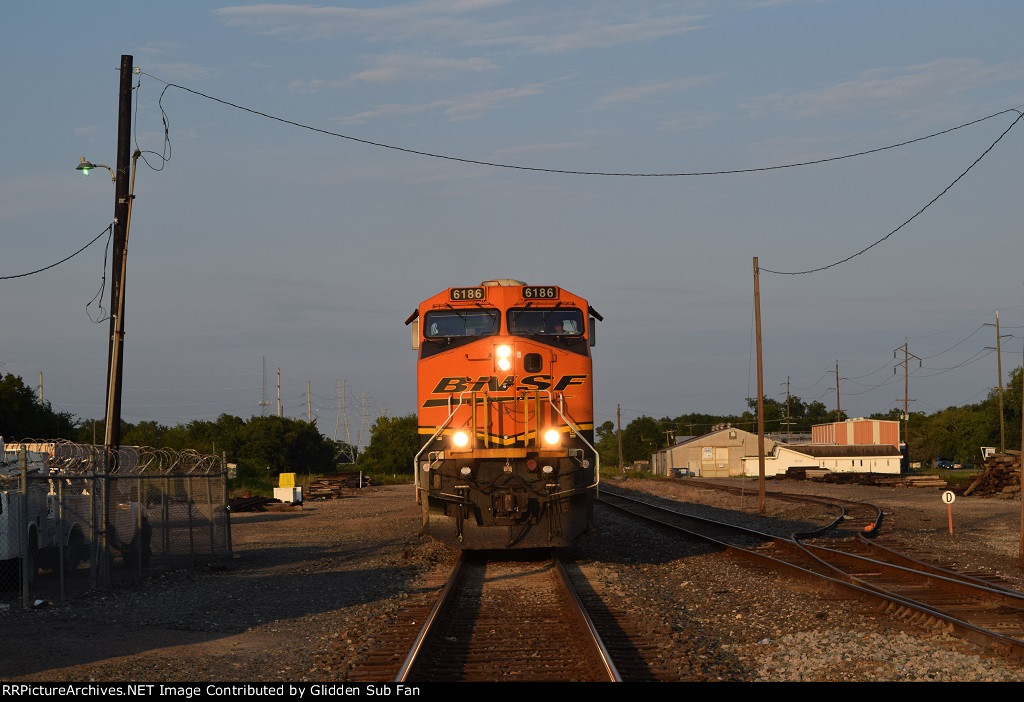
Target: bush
column 958, row 479
column 386, row 478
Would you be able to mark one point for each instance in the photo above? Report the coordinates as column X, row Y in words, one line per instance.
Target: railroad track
column 975, row 609
column 503, row 620
column 861, row 515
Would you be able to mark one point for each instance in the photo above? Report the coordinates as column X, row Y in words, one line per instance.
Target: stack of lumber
column 251, row 504
column 806, row 473
column 923, row 481
column 331, row 487
column 927, row 481
column 888, row 480
column 1001, row 475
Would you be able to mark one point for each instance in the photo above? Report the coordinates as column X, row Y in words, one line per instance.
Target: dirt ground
column 297, row 582
column 307, row 591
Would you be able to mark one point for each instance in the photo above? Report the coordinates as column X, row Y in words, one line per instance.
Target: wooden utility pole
column 760, row 388
column 789, row 417
column 618, row 433
column 1021, row 553
column 122, row 212
column 999, row 367
column 309, row 404
column 41, row 388
column 906, row 390
column 839, row 409
column 279, row 392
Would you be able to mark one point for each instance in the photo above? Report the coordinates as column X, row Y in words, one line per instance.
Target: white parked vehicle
column 53, row 523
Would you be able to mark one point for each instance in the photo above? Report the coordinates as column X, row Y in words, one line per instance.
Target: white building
column 732, row 452
column 858, row 458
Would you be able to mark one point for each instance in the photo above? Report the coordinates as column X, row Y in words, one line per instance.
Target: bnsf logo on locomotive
column 490, row 382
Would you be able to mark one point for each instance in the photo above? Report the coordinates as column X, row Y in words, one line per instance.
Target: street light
column 86, row 166
column 114, row 368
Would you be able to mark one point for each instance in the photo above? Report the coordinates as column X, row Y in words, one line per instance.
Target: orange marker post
column 948, row 497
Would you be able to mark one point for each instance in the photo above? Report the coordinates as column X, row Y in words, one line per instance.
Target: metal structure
column 67, row 525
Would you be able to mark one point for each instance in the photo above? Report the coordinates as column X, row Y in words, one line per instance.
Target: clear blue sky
column 260, row 239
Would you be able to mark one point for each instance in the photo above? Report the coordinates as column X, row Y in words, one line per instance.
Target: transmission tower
column 263, row 398
column 343, row 421
column 364, row 419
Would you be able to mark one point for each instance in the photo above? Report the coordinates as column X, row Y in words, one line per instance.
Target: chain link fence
column 71, row 521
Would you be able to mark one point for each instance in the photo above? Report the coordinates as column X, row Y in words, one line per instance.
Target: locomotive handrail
column 579, row 433
column 416, row 458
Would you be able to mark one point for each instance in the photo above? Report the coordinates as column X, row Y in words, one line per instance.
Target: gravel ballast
column 311, row 595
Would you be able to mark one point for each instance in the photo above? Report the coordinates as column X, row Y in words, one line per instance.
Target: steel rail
column 964, row 584
column 595, row 638
column 598, row 651
column 899, row 557
column 963, row 628
column 442, row 601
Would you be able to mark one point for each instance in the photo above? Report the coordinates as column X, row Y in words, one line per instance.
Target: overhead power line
column 564, row 171
column 1020, row 116
column 68, row 258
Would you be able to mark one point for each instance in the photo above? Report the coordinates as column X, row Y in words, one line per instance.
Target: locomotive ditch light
column 547, row 470
column 552, row 437
column 466, row 471
column 460, row 439
column 504, row 354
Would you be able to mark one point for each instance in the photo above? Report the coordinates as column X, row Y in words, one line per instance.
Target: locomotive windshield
column 553, row 321
column 452, row 323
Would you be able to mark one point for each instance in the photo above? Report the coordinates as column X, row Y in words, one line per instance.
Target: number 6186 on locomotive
column 506, row 415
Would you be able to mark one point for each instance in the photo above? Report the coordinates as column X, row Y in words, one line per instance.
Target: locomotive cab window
column 538, row 321
column 447, row 324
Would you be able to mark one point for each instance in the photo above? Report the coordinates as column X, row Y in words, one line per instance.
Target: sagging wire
column 103, row 314
column 108, row 230
column 956, row 344
column 165, row 154
column 494, row 164
column 1020, row 116
column 977, row 356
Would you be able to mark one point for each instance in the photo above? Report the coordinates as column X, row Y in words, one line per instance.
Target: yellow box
column 287, row 480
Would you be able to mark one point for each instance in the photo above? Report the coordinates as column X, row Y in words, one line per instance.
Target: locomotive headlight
column 552, row 437
column 460, row 439
column 504, row 353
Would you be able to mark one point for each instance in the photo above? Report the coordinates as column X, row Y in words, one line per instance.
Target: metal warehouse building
column 718, row 454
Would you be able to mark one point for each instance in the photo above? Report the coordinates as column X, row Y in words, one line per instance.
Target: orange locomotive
column 506, row 415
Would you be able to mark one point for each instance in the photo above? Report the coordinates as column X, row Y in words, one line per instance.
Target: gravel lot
column 311, row 594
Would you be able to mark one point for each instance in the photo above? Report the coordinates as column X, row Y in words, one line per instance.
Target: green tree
column 284, row 445
column 145, row 433
column 817, row 413
column 641, row 438
column 22, row 416
column 607, row 444
column 394, row 442
column 1011, row 411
